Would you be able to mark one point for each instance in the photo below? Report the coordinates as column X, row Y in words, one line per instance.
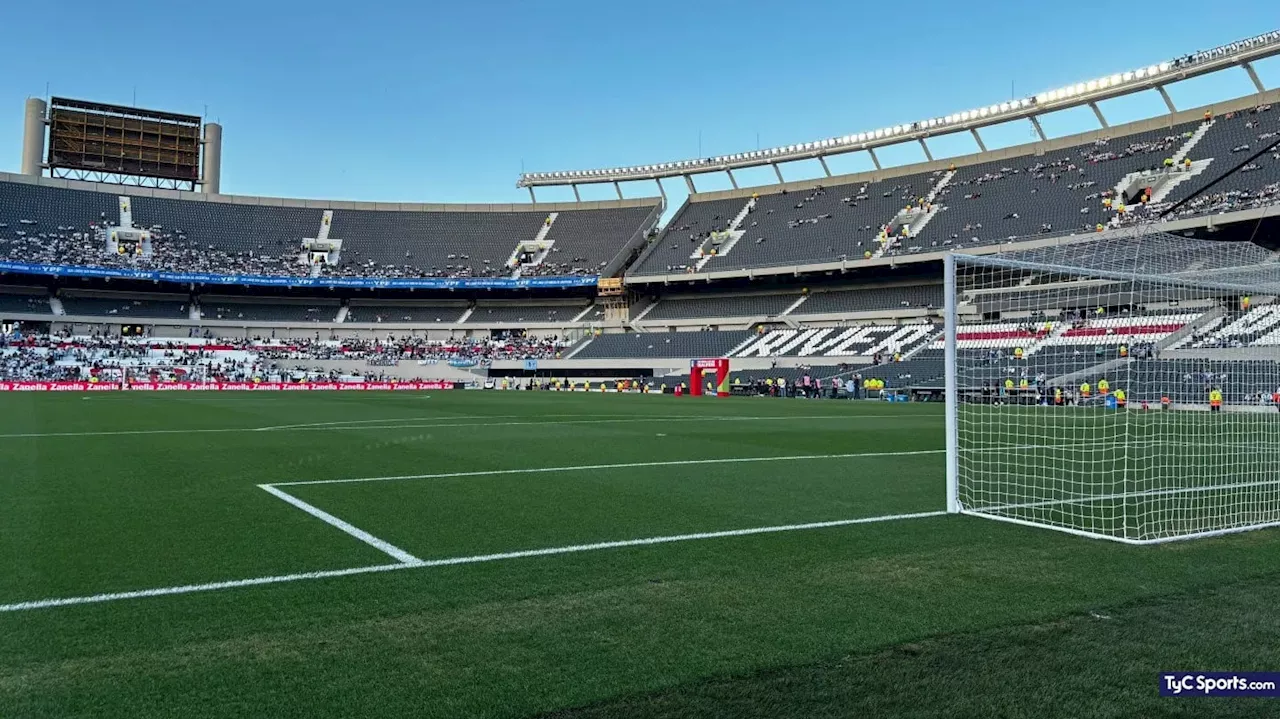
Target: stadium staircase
column 540, row 246
column 1162, row 182
column 343, row 311
column 465, row 315
column 193, row 310
column 915, row 218
column 1059, row 329
column 799, row 301
column 703, row 253
column 579, row 347
column 56, row 305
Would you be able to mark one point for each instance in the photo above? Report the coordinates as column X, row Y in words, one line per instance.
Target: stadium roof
column 1236, row 54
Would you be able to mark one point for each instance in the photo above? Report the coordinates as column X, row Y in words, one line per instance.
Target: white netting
column 1122, row 388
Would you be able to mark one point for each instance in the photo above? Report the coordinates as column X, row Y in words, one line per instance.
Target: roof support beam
column 576, row 196
column 978, row 138
column 661, row 190
column 532, row 197
column 874, row 160
column 732, row 179
column 778, row 172
column 1097, row 112
column 925, row 146
column 825, row 169
column 1035, row 122
column 617, row 188
column 1168, row 101
column 1253, row 75
column 688, row 180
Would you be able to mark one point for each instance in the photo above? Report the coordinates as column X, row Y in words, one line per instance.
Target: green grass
column 850, row 620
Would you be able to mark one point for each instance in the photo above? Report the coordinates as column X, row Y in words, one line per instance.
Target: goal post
column 1125, row 388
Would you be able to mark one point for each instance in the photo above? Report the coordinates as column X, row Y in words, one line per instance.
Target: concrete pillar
column 925, row 146
column 1253, row 75
column 978, row 138
column 33, row 136
column 1035, row 122
column 212, row 169
column 1097, row 112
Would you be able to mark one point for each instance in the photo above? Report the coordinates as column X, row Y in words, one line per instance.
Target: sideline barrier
column 224, row 386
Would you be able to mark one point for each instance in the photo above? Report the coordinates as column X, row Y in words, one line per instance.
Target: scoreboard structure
column 100, row 142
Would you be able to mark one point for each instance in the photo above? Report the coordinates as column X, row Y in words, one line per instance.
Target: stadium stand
column 885, row 341
column 152, row 307
column 636, row 345
column 24, row 300
column 1062, row 191
column 55, row 225
column 685, row 233
column 755, row 305
column 405, row 313
column 525, row 313
column 871, row 299
column 1229, row 139
column 233, row 309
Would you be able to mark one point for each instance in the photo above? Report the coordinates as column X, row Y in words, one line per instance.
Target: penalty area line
column 454, row 561
column 386, row 547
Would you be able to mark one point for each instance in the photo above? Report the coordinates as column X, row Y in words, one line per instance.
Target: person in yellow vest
column 1017, row 353
column 1124, row 350
column 1085, row 389
column 1104, row 386
column 1121, row 398
column 1023, row 384
column 1166, row 403
column 1186, row 164
column 1008, row 385
column 866, row 255
column 1245, row 302
column 1168, row 163
column 1057, row 396
column 1100, row 311
column 897, row 356
column 1215, row 400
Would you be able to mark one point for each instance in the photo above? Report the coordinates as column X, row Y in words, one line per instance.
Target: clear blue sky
column 446, row 102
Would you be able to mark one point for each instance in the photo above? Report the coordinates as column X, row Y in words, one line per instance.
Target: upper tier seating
column 53, row 225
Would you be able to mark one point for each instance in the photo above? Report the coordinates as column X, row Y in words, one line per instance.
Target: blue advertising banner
column 419, row 283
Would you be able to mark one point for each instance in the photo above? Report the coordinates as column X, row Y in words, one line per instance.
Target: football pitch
column 511, row 554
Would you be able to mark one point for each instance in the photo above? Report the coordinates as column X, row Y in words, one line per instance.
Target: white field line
column 451, row 561
column 416, row 424
column 621, row 465
column 386, row 547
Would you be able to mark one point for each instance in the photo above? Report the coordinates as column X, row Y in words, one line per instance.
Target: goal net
column 1125, row 388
